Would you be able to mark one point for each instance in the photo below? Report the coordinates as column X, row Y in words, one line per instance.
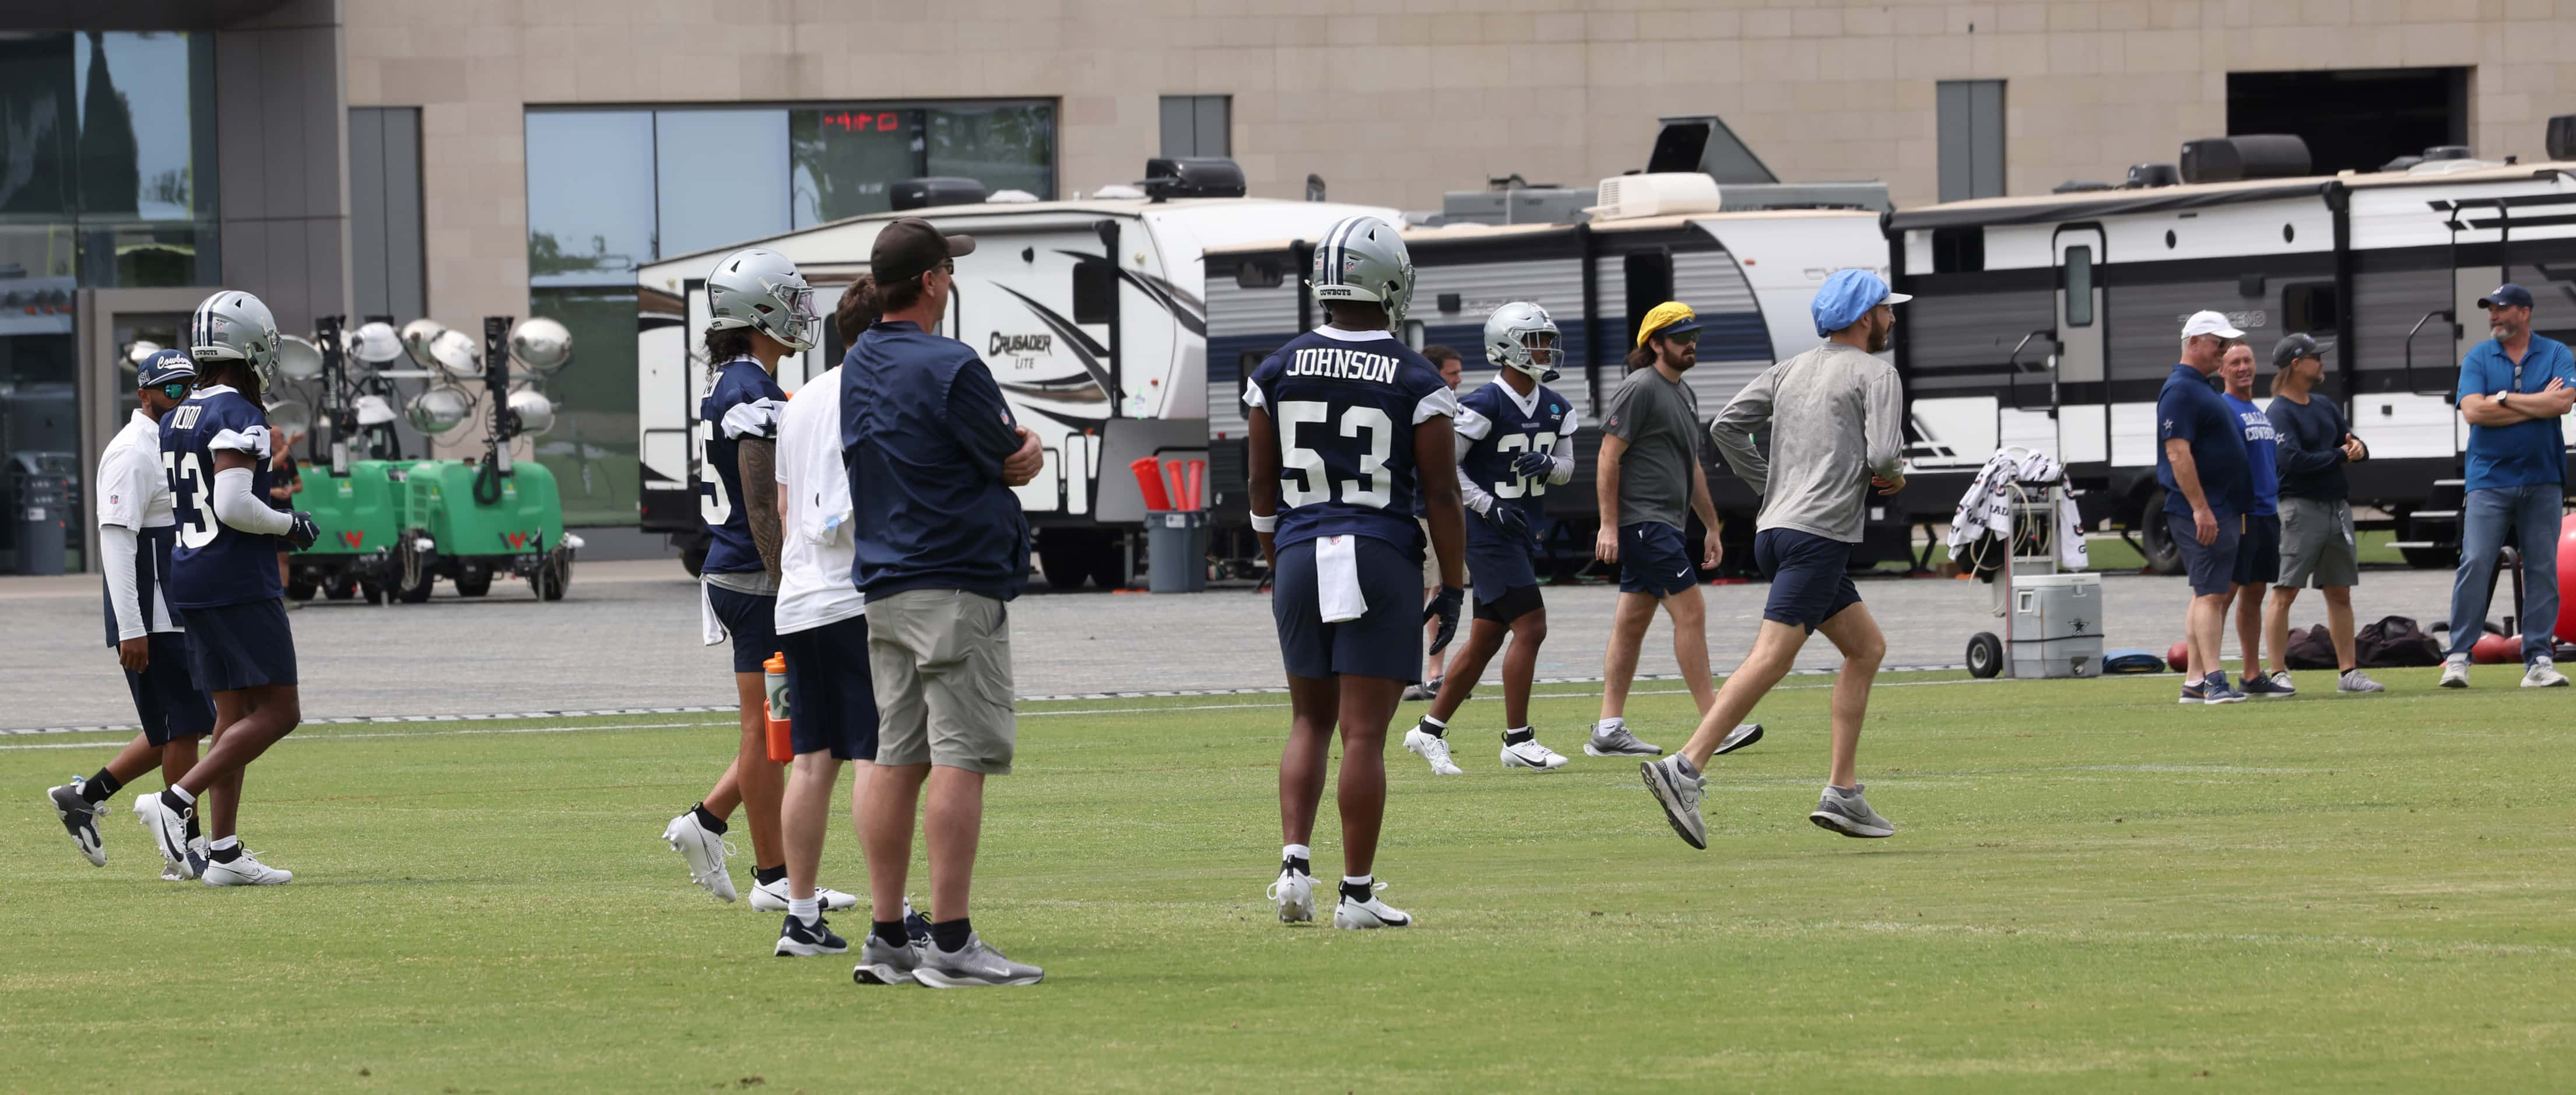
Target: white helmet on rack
column 234, row 326
column 760, row 289
column 1517, row 333
column 1363, row 259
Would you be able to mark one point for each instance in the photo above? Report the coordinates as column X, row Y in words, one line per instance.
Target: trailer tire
column 417, row 572
column 554, row 575
column 1066, row 556
column 2431, row 558
column 341, row 587
column 1985, row 655
column 693, row 555
column 301, row 591
column 1109, row 562
column 2155, row 538
column 475, row 586
column 375, row 594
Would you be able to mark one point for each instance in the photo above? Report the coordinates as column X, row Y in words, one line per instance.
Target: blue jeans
column 2531, row 512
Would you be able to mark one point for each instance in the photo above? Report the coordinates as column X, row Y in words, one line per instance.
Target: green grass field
column 2092, row 889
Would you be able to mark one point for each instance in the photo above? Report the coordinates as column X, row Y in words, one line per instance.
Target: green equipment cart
column 359, row 513
column 468, row 525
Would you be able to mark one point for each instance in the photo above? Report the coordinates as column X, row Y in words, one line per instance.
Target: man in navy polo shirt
column 932, row 452
column 2200, row 460
column 2514, row 388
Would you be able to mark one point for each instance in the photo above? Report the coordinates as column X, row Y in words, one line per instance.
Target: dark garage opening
column 2354, row 119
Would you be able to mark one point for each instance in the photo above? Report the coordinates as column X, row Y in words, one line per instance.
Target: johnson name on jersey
column 1344, row 404
column 742, row 402
column 1495, row 427
column 212, row 563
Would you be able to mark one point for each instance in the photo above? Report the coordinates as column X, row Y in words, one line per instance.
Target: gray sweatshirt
column 1835, row 418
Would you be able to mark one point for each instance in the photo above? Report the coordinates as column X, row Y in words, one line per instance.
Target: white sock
column 805, row 909
column 1361, row 881
column 225, row 844
column 182, row 794
column 1296, row 851
column 1611, row 725
column 1435, row 722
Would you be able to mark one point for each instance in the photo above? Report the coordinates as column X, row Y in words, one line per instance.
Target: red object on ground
column 2496, row 649
column 2566, row 567
column 2179, row 656
column 1149, row 479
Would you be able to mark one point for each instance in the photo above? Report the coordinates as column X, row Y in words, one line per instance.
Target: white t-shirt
column 815, row 550
column 132, row 492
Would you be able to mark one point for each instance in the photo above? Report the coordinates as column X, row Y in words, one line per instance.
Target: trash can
column 44, row 497
column 1176, row 550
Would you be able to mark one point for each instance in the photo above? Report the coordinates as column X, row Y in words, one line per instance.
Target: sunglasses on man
column 176, row 389
column 1684, row 338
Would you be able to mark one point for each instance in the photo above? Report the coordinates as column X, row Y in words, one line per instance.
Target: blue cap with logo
column 2507, row 295
column 164, row 367
column 1849, row 295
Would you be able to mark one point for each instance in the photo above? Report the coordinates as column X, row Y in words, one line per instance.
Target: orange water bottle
column 780, row 748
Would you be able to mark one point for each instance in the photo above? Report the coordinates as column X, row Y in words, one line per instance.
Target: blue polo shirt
column 2261, row 455
column 2525, row 453
column 924, row 432
column 2190, row 409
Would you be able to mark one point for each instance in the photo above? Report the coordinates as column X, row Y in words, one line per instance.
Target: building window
column 384, row 212
column 1198, row 125
column 1972, row 139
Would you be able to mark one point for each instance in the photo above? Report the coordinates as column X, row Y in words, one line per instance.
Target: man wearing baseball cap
column 2316, row 510
column 2201, row 462
column 2514, row 388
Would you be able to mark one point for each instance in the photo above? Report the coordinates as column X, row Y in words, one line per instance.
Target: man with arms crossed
column 2514, row 388
column 1836, row 417
column 2201, row 461
column 2316, row 513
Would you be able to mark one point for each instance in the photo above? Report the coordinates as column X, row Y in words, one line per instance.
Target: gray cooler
column 2056, row 626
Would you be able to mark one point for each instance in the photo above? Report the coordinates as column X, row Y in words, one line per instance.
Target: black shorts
column 1386, row 641
column 1496, row 569
column 1515, row 603
column 1810, row 580
column 831, row 698
column 752, row 621
column 1653, row 560
column 232, row 647
column 2258, row 551
column 2212, row 566
column 166, row 697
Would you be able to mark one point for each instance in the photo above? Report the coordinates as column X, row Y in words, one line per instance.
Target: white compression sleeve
column 123, row 595
column 1472, row 496
column 1563, row 456
column 235, row 505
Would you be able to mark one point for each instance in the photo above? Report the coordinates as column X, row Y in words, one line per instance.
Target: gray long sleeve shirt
column 1835, row 417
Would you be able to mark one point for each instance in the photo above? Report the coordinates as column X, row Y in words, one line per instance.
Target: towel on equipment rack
column 1985, row 511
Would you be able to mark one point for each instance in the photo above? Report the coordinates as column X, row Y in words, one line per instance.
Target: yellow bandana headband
column 1665, row 315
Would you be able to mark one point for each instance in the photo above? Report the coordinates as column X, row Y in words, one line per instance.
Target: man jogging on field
column 1836, row 419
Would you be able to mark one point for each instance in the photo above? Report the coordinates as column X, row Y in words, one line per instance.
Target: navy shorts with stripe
column 232, row 647
column 1386, row 641
column 2258, row 550
column 831, row 696
column 752, row 620
column 1653, row 560
column 166, row 697
column 1810, row 579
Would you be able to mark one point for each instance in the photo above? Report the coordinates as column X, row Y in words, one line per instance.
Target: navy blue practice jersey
column 1345, row 404
column 1495, row 427
column 743, row 402
column 214, row 564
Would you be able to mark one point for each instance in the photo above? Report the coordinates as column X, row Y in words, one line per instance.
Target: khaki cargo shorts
column 1431, row 561
column 941, row 659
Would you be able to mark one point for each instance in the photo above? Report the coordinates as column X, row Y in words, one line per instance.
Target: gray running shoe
column 1677, row 788
column 1850, row 815
column 883, row 963
column 1738, row 738
column 973, row 966
column 1417, row 693
column 2455, row 672
column 1618, row 742
column 2542, row 674
column 2354, row 680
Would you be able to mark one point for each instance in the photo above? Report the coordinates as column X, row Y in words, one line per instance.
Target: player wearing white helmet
column 1346, row 423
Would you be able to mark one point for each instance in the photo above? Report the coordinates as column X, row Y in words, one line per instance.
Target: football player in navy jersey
column 762, row 311
column 216, row 451
column 1519, row 438
column 136, row 530
column 1345, row 422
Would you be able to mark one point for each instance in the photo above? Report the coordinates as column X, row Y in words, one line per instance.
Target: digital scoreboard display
column 862, row 121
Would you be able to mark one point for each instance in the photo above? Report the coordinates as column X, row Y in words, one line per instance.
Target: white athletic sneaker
column 1431, row 747
column 2542, row 675
column 2354, row 680
column 2455, row 673
column 704, row 851
column 772, row 897
column 1372, row 913
column 169, row 828
column 246, row 870
column 1295, row 895
column 1530, row 754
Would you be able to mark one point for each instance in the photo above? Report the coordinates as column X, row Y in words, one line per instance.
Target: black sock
column 1432, row 728
column 1515, row 737
column 175, row 806
column 889, row 932
column 1358, row 891
column 710, row 822
column 225, row 855
column 97, row 788
column 950, row 935
column 1300, row 865
column 769, row 875
column 192, row 827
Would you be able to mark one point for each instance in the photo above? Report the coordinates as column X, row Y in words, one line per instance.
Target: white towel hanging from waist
column 710, row 629
column 1337, row 579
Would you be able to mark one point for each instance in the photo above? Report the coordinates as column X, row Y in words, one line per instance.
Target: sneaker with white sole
column 1618, row 742
column 705, row 852
column 798, row 939
column 169, row 827
column 1431, row 747
column 772, row 897
column 1423, row 692
column 2275, row 686
column 1294, row 893
column 883, row 963
column 974, row 966
column 1850, row 814
column 1677, row 788
column 190, row 868
column 1738, row 738
column 80, row 819
column 1531, row 755
column 1356, row 915
column 245, row 870
column 2354, row 680
column 2541, row 674
column 2455, row 673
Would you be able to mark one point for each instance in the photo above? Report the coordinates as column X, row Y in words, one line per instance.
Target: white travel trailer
column 1087, row 311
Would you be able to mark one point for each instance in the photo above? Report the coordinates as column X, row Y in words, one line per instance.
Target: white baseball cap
column 2209, row 323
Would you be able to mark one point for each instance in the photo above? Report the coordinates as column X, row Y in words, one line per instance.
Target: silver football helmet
column 234, row 326
column 760, row 289
column 1517, row 333
column 1363, row 259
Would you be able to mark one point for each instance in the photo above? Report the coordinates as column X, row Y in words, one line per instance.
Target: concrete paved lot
column 627, row 636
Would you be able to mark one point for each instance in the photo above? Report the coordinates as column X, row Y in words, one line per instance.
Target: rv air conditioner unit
column 2144, row 175
column 1192, row 177
column 2255, row 156
column 1742, row 197
column 1515, row 205
column 2562, row 137
column 935, row 190
column 1627, row 197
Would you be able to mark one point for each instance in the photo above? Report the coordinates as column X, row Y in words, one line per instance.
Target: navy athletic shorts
column 166, row 697
column 232, row 647
column 1499, row 569
column 2212, row 566
column 752, row 621
column 1386, row 641
column 1653, row 559
column 831, row 698
column 2258, row 551
column 1809, row 579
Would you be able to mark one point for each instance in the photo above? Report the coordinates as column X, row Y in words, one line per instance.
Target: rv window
column 1959, row 250
column 2079, row 286
column 1094, row 284
column 2311, row 307
column 1650, row 282
column 1257, row 274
